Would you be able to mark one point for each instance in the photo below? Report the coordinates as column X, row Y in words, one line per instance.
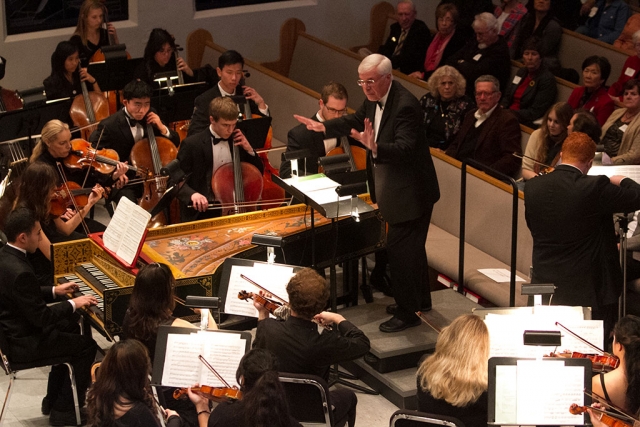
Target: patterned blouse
column 442, row 119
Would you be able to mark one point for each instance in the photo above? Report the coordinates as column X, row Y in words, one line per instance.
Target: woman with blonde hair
column 89, row 35
column 453, row 380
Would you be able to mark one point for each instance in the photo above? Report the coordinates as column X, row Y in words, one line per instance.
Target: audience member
column 444, row 106
column 543, row 148
column 489, row 134
column 621, row 132
column 626, row 41
column 585, row 122
column 486, row 54
column 630, row 70
column 509, row 13
column 453, row 381
column 592, row 96
column 606, row 20
column 408, row 39
column 533, row 89
column 468, row 10
column 447, row 41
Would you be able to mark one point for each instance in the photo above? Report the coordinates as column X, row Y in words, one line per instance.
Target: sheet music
column 180, row 369
column 126, row 229
column 505, row 399
column 224, row 354
column 318, row 188
column 631, row 171
column 590, row 330
column 272, row 277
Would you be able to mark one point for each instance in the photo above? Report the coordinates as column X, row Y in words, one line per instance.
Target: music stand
column 179, row 105
column 114, row 73
column 256, row 130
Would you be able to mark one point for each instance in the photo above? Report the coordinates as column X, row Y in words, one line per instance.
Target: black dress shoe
column 67, row 418
column 46, row 406
column 393, row 309
column 396, row 325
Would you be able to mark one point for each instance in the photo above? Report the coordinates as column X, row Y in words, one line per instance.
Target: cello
column 357, row 155
column 9, row 100
column 152, row 153
column 88, row 108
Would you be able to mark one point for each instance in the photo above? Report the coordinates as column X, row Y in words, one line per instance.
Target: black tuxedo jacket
column 200, row 117
column 196, row 160
column 25, row 317
column 402, row 178
column 574, row 242
column 117, row 134
column 300, row 138
column 414, row 48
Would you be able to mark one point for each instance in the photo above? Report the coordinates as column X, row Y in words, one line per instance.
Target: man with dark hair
column 202, row 154
column 37, row 332
column 333, row 104
column 230, row 65
column 574, row 243
column 301, row 347
column 120, row 131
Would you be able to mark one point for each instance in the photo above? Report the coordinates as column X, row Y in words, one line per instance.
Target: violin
column 601, row 363
column 62, row 199
column 83, row 155
column 216, row 394
column 576, row 409
column 269, row 304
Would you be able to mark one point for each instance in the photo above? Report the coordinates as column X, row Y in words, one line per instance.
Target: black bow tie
column 380, row 104
column 216, row 140
column 133, row 122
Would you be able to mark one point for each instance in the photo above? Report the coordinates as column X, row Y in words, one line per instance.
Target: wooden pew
column 382, row 15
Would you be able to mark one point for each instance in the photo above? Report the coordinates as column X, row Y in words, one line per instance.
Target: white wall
column 251, row 30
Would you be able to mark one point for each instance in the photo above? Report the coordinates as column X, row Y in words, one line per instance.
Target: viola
column 62, row 199
column 601, row 363
column 83, row 155
column 576, row 409
column 216, row 394
column 269, row 304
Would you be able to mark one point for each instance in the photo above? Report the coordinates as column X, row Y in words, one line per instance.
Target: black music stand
column 176, row 105
column 256, row 130
column 114, row 73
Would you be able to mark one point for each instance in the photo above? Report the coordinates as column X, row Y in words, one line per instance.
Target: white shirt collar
column 224, row 92
column 24, row 251
column 383, row 100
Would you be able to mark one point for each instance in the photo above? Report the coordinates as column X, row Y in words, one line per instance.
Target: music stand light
column 204, row 304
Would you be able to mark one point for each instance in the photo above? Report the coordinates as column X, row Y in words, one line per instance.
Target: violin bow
column 582, row 339
column 522, row 156
column 73, row 201
column 619, row 412
column 213, row 371
column 422, row 317
column 262, row 288
column 95, row 153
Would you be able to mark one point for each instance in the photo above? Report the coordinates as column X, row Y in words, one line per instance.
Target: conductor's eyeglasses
column 368, row 82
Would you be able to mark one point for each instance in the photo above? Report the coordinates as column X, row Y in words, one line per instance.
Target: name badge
column 624, row 127
column 477, row 57
column 629, row 72
column 516, row 80
column 593, row 12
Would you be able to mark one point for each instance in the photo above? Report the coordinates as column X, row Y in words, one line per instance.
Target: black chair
column 12, row 368
column 309, row 400
column 407, row 418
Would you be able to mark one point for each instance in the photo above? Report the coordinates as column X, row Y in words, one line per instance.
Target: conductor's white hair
column 488, row 20
column 377, row 62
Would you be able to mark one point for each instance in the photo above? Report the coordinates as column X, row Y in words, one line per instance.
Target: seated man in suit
column 230, row 65
column 303, row 349
column 201, row 155
column 408, row 39
column 333, row 104
column 37, row 332
column 489, row 134
column 120, row 131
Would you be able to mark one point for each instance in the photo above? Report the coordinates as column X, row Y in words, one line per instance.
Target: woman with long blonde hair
column 90, row 35
column 453, row 380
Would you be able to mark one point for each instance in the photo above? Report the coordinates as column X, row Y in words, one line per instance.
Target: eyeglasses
column 334, row 111
column 484, row 94
column 368, row 82
column 166, row 51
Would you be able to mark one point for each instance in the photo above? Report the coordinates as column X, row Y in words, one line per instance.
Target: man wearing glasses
column 402, row 180
column 489, row 134
column 333, row 104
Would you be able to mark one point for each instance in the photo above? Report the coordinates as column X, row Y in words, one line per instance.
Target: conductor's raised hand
column 366, row 137
column 310, row 124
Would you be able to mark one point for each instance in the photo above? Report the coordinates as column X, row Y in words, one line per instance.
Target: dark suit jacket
column 537, row 98
column 493, row 60
column 498, row 140
column 574, row 243
column 117, row 134
column 402, row 179
column 25, row 317
column 414, row 48
column 300, row 138
column 196, row 160
column 200, row 117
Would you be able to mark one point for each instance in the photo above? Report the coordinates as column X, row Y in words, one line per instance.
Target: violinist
column 264, row 403
column 315, row 351
column 621, row 386
column 230, row 71
column 159, row 57
column 202, row 154
column 122, row 130
column 90, row 35
column 122, row 395
column 64, row 80
column 151, row 306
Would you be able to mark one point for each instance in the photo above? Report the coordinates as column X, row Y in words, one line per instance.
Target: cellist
column 64, row 81
column 201, row 155
column 89, row 35
column 122, row 130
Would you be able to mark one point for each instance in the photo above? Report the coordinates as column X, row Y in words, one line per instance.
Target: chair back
column 308, row 397
column 407, row 418
column 4, row 352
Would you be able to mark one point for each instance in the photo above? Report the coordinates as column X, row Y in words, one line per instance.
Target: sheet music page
column 313, row 182
column 506, row 336
column 274, row 277
column 234, row 305
column 559, row 313
column 181, row 363
column 546, row 390
column 126, row 230
column 505, row 399
column 590, row 330
column 631, row 171
column 223, row 351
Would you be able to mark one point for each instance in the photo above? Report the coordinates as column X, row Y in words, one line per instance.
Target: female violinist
column 151, row 305
column 264, row 403
column 160, row 56
column 622, row 385
column 64, row 80
column 122, row 395
column 90, row 35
